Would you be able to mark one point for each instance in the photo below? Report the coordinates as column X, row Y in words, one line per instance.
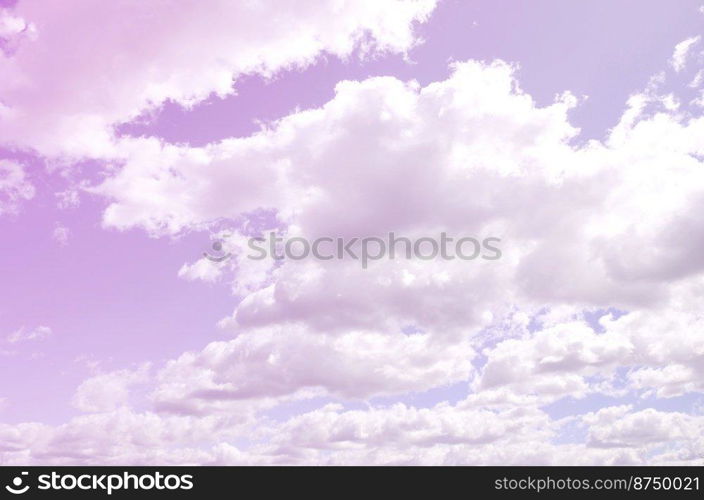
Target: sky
column 134, row 135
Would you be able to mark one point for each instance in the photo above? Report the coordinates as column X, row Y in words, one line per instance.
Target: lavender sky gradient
column 132, row 132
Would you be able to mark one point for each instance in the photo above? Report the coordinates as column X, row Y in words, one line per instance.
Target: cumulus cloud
column 118, row 437
column 553, row 362
column 620, row 427
column 291, row 361
column 480, row 153
column 656, row 351
column 599, row 225
column 397, row 434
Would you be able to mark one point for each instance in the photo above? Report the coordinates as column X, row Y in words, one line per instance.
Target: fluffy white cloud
column 118, row 437
column 618, row 426
column 290, row 360
column 655, row 351
column 599, row 225
column 475, row 149
column 397, row 434
column 553, row 362
column 330, row 427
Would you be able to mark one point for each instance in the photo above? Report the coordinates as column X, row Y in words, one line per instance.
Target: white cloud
column 108, row 391
column 397, row 434
column 112, row 71
column 61, row 234
column 654, row 351
column 619, row 427
column 117, row 437
column 292, row 361
column 601, row 225
column 14, row 186
column 10, row 25
column 554, row 361
column 26, row 334
column 682, row 52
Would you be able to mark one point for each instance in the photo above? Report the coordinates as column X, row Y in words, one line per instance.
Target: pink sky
column 131, row 133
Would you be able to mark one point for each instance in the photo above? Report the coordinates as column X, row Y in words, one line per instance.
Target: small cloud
column 682, row 49
column 23, row 335
column 68, row 199
column 202, row 269
column 698, row 79
column 88, row 362
column 11, row 26
column 14, row 186
column 61, row 234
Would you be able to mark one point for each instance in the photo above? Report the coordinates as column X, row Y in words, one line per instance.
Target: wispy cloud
column 30, row 334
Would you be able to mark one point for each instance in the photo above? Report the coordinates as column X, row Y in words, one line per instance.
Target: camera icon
column 16, row 487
